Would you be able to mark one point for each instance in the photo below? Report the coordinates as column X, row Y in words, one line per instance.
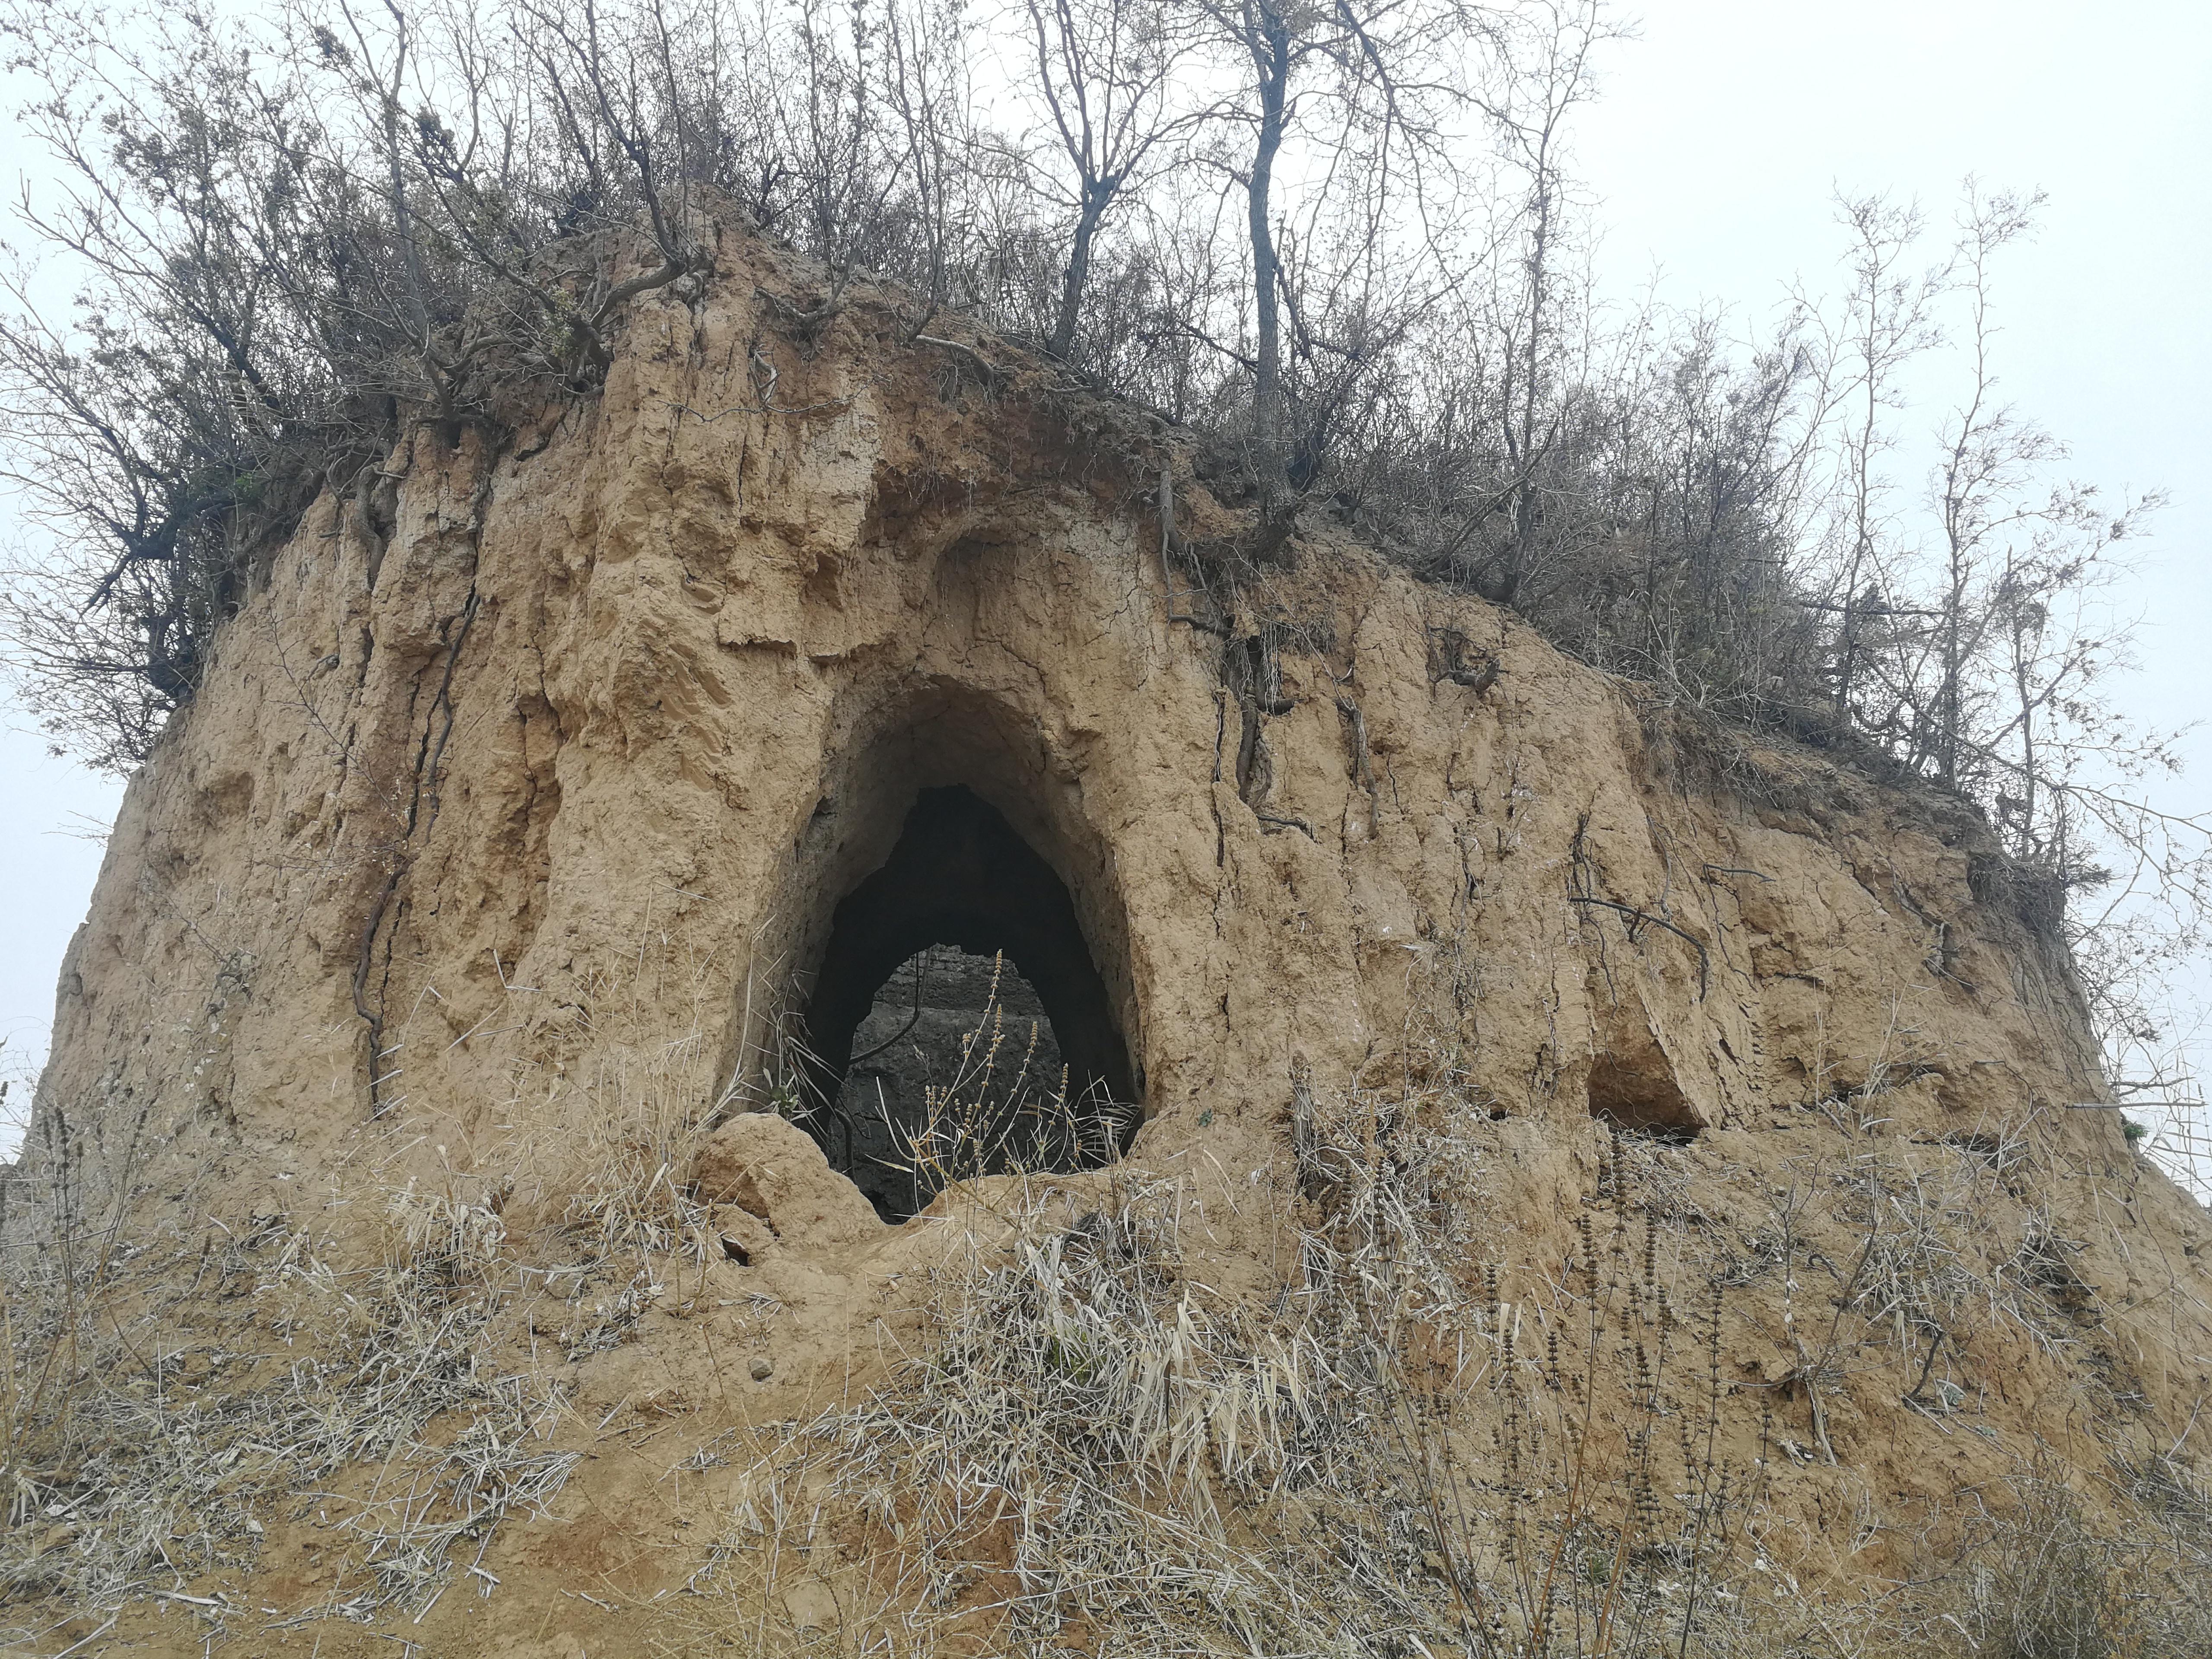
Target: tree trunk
column 1271, row 55
column 1078, row 273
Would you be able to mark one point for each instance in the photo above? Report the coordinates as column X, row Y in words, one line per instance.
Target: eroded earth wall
column 534, row 773
column 515, row 746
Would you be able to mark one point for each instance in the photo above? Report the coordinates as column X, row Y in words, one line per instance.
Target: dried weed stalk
column 1385, row 1456
column 158, row 1458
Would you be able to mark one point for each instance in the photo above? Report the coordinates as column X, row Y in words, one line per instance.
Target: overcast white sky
column 1721, row 136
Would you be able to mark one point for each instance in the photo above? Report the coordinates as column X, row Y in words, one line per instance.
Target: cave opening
column 959, row 1024
column 1642, row 1101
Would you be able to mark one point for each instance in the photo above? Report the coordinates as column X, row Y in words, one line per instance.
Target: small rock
column 811, row 1604
column 762, row 1370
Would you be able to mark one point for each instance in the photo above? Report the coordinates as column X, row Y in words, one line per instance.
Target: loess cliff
column 1550, row 1154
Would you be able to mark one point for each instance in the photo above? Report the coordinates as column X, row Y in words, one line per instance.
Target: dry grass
column 2040, row 1572
column 1064, row 1445
column 627, row 1132
column 990, row 1119
column 162, row 1457
column 1389, row 1455
column 1404, row 1446
column 1410, row 1450
column 1953, row 1241
column 165, row 1403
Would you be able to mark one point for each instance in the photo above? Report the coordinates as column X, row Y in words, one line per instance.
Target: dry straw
column 1405, row 1445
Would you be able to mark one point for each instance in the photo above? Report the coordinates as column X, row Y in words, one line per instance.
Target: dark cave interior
column 958, row 1023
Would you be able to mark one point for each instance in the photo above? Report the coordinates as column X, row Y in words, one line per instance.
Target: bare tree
column 1547, row 77
column 1886, row 324
column 1108, row 73
column 1376, row 84
column 925, row 54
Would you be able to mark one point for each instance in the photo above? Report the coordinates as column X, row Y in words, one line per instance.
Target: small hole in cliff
column 1642, row 1101
column 959, row 1023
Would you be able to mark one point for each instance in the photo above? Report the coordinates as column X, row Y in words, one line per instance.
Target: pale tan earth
column 548, row 766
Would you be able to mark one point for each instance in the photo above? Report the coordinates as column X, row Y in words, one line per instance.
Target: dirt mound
column 1597, row 1176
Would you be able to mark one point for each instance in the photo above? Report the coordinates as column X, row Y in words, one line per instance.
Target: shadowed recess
column 961, row 877
column 1640, row 1096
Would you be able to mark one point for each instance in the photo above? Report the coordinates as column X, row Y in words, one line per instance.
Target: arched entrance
column 959, row 1023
